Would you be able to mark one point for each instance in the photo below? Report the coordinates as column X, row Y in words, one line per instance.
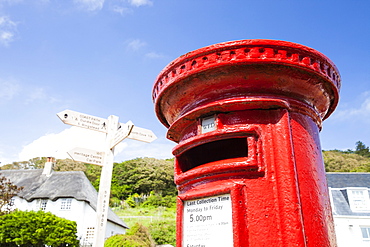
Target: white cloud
column 159, row 149
column 135, row 44
column 11, row 89
column 154, row 55
column 10, row 1
column 57, row 145
column 8, row 89
column 8, row 29
column 121, row 10
column 353, row 113
column 36, row 94
column 13, row 2
column 138, row 3
column 90, row 5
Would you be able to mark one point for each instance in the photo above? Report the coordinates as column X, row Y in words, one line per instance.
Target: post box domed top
column 246, row 68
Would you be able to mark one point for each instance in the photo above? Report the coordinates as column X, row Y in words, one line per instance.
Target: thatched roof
column 70, row 184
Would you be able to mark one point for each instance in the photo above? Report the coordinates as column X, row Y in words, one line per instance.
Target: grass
column 145, row 216
column 160, row 221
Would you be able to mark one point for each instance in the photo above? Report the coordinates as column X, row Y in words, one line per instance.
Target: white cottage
column 69, row 195
column 349, row 194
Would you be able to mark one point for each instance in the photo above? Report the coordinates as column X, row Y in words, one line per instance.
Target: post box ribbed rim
column 257, row 51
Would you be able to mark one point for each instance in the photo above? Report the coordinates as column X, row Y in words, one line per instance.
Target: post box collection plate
column 208, row 124
column 207, row 222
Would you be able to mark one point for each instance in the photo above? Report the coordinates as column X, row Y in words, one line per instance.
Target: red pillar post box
column 248, row 166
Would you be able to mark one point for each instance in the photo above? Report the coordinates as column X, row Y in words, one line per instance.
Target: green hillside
column 357, row 160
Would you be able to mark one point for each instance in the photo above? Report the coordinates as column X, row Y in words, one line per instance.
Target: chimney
column 48, row 168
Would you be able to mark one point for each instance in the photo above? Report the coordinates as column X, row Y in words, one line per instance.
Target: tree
column 156, row 200
column 92, row 171
column 362, row 149
column 16, row 165
column 7, row 191
column 38, row 229
column 69, row 165
column 142, row 176
column 39, row 163
column 93, row 174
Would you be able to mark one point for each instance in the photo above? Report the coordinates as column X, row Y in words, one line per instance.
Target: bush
column 23, row 228
column 155, row 200
column 137, row 236
column 134, row 200
column 122, row 240
column 163, row 232
column 114, row 202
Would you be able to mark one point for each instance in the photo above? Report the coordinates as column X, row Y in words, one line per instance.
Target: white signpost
column 141, row 134
column 83, row 120
column 122, row 133
column 87, row 156
column 115, row 133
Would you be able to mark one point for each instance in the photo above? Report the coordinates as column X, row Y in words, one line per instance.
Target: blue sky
column 101, row 57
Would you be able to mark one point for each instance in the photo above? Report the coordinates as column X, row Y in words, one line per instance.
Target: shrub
column 23, row 228
column 155, row 200
column 137, row 236
column 163, row 232
column 133, row 200
column 114, row 202
column 122, row 240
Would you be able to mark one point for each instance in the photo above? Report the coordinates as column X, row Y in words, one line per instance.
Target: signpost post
column 115, row 133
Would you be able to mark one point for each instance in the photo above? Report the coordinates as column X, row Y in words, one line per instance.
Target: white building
column 69, row 195
column 350, row 202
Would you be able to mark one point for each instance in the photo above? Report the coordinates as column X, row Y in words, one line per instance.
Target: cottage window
column 43, row 204
column 359, row 199
column 90, row 234
column 66, row 204
column 365, row 230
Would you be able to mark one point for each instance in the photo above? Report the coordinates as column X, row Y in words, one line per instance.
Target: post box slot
column 213, row 151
